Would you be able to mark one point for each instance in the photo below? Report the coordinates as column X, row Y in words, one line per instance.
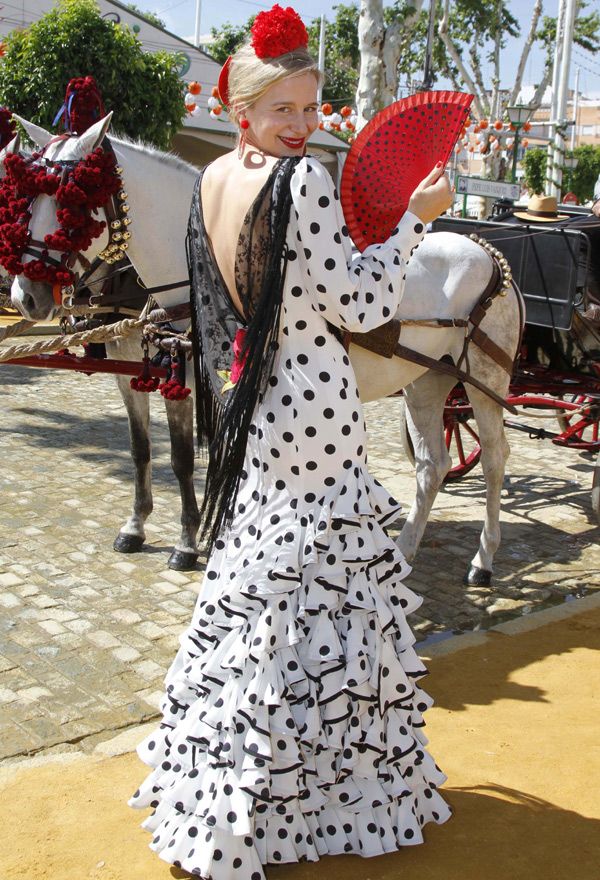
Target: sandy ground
column 515, row 727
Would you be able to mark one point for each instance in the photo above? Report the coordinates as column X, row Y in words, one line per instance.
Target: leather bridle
column 63, row 295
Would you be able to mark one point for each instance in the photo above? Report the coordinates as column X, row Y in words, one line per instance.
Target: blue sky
column 179, row 16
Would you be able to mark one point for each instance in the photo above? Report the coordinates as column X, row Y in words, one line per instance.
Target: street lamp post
column 518, row 116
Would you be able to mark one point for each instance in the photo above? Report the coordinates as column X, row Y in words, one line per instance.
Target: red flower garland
column 239, row 356
column 83, row 105
column 278, row 32
column 89, row 186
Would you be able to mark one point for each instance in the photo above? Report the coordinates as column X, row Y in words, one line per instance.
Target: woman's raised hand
column 432, row 196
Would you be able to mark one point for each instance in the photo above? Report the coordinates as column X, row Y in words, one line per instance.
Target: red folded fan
column 392, row 154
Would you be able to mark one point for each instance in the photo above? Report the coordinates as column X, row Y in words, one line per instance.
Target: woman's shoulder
column 311, row 177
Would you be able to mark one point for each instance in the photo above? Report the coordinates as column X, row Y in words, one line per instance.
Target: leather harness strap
column 478, row 313
column 384, row 341
column 423, row 360
column 489, row 347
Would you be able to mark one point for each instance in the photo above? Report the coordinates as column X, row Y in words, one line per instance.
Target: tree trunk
column 395, row 39
column 537, row 11
column 457, row 59
column 371, row 32
column 392, row 50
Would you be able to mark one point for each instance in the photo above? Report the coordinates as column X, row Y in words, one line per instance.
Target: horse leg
column 181, row 429
column 494, row 454
column 132, row 535
column 425, row 400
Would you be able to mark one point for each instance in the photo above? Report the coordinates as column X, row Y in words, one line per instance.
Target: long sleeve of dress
column 354, row 295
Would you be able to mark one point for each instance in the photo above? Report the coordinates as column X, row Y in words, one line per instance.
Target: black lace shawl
column 223, row 419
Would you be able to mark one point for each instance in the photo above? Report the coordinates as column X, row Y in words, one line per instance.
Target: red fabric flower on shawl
column 278, row 32
column 237, row 366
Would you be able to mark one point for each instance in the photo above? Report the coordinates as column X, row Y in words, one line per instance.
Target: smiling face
column 284, row 117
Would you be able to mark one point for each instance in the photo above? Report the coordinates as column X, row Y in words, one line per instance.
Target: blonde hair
column 250, row 76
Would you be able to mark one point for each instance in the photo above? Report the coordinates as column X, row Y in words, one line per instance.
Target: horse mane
column 176, row 162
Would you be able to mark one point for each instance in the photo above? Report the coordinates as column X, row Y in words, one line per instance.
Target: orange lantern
column 527, row 126
column 215, row 92
column 326, row 109
column 524, row 142
column 498, row 125
column 190, row 107
column 195, row 88
column 346, row 111
column 483, row 124
column 217, row 110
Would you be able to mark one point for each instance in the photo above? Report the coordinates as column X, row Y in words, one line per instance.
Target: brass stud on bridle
column 117, row 244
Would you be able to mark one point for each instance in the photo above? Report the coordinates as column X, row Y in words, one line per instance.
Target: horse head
column 50, row 222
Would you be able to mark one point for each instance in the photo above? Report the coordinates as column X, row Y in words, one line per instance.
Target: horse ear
column 11, row 147
column 37, row 134
column 93, row 137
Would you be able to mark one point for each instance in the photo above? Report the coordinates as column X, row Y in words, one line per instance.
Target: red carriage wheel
column 462, row 439
column 581, row 427
column 596, row 489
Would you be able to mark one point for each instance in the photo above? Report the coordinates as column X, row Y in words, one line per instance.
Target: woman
column 293, row 718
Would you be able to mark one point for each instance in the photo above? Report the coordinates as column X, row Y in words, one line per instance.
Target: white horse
column 445, row 279
column 131, row 536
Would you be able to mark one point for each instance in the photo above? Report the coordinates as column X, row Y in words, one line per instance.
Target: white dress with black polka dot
column 293, row 717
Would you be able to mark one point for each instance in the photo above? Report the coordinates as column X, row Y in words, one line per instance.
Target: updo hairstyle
column 250, row 76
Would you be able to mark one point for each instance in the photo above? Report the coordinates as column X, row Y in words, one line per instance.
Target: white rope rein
column 56, row 343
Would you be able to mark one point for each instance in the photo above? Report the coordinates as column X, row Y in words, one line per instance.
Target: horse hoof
column 128, row 543
column 478, row 577
column 180, row 560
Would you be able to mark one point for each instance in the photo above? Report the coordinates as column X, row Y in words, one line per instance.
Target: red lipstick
column 293, row 143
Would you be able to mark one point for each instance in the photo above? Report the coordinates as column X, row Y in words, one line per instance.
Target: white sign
column 477, row 186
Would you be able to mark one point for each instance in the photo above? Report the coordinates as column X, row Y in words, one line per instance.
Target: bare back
column 229, row 187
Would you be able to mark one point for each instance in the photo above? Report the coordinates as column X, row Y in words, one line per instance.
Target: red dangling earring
column 244, row 125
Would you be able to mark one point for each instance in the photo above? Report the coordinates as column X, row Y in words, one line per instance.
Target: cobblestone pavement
column 86, row 634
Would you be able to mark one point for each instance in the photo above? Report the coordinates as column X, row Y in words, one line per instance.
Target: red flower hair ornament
column 274, row 33
column 278, row 32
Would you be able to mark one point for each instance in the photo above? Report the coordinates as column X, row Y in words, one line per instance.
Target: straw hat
column 541, row 209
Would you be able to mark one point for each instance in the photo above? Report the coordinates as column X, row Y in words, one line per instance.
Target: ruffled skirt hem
column 293, row 717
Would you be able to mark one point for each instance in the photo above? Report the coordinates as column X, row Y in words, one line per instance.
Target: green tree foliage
column 342, row 58
column 149, row 16
column 587, row 31
column 228, row 38
column 143, row 89
column 586, row 173
column 534, row 165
